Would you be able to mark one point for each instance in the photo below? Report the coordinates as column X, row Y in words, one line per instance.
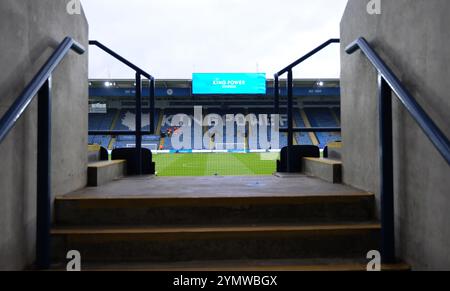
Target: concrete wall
column 413, row 38
column 30, row 30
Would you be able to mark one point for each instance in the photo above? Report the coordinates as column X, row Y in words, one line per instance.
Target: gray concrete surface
column 326, row 169
column 160, row 201
column 335, row 154
column 100, row 173
column 187, row 244
column 229, row 186
column 30, row 31
column 413, row 38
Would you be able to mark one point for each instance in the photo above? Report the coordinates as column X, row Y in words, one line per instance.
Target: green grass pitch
column 209, row 164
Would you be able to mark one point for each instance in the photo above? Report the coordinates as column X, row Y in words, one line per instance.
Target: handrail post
column 152, row 106
column 290, row 120
column 43, row 220
column 139, row 123
column 386, row 172
column 276, row 94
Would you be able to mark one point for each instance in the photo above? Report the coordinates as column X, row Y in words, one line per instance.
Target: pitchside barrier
column 212, row 151
column 152, row 147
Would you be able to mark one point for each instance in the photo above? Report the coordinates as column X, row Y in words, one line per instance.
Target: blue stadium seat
column 168, row 113
column 319, row 117
column 323, row 117
column 101, row 121
column 302, row 138
column 127, row 122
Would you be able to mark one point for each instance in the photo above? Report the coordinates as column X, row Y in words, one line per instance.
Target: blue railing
column 388, row 83
column 41, row 85
column 138, row 133
column 290, row 116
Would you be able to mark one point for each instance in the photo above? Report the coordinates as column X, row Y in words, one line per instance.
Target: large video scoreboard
column 229, row 83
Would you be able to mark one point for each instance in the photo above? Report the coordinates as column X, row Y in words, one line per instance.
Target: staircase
column 124, row 225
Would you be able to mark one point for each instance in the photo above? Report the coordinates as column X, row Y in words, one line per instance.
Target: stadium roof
column 187, row 83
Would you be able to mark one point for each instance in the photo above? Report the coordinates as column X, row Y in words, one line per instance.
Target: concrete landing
column 321, row 265
column 103, row 172
column 204, row 187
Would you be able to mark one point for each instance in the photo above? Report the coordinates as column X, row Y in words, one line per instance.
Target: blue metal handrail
column 41, row 85
column 436, row 136
column 18, row 107
column 120, row 58
column 388, row 83
column 308, row 55
column 138, row 133
column 290, row 119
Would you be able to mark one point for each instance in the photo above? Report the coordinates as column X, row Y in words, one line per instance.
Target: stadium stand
column 302, row 138
column 337, row 113
column 127, row 121
column 223, row 113
column 167, row 129
column 269, row 111
column 168, row 114
column 176, row 97
column 317, row 116
column 323, row 117
column 101, row 121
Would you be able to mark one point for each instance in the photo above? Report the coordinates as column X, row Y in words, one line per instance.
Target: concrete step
column 335, row 150
column 325, row 169
column 321, row 208
column 181, row 244
column 313, row 265
column 103, row 172
column 93, row 153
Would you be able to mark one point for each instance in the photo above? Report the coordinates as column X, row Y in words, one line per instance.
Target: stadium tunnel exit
column 125, row 172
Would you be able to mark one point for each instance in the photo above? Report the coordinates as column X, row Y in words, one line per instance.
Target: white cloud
column 174, row 38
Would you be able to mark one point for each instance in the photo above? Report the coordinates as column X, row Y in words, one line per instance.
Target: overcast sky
column 174, row 38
